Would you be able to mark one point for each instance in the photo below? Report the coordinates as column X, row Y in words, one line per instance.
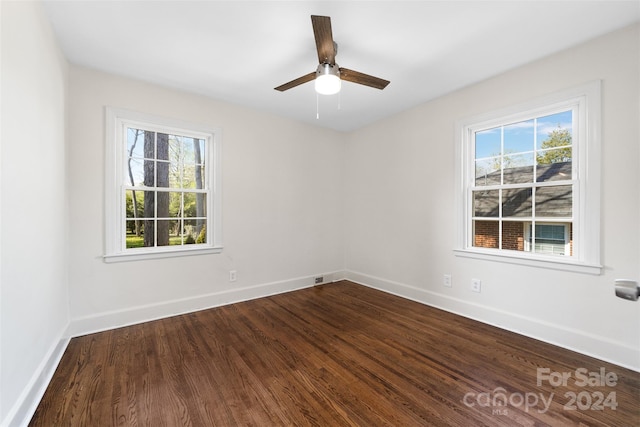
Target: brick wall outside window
column 512, row 236
column 486, row 235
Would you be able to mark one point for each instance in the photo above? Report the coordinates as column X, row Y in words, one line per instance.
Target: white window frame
column 117, row 121
column 586, row 170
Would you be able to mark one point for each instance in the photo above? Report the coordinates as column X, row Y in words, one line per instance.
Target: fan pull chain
column 317, row 106
column 339, row 100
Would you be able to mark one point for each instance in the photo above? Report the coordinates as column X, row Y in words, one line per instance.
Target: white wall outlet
column 446, row 280
column 233, row 276
column 476, row 285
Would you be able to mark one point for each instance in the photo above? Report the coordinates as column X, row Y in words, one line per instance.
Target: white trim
column 597, row 346
column 167, row 252
column 530, row 260
column 587, row 176
column 27, row 403
column 116, row 120
column 149, row 312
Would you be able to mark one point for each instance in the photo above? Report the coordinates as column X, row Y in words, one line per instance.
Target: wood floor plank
column 332, row 355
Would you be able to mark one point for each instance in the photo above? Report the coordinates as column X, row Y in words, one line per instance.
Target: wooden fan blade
column 324, row 39
column 363, row 79
column 296, row 82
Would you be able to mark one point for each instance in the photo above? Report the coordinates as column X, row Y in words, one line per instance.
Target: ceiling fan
column 328, row 74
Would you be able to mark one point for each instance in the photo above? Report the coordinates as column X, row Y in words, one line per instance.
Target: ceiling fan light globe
column 328, row 84
column 328, row 79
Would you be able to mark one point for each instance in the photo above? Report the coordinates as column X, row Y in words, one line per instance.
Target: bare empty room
column 319, row 213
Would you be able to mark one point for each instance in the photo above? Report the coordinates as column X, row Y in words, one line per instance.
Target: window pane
column 516, row 202
column 193, row 176
column 162, row 177
column 485, row 234
column 194, row 231
column 175, row 162
column 162, row 208
column 134, row 203
column 200, row 151
column 175, row 205
column 518, row 168
column 487, row 143
column 199, row 175
column 148, row 177
column 554, row 201
column 194, row 205
column 554, row 130
column 162, row 146
column 554, row 155
column 550, row 239
column 513, row 235
column 164, row 227
column 201, row 225
column 134, row 172
column 518, row 137
column 488, row 171
column 149, row 233
column 135, row 143
column 175, row 148
column 148, row 204
column 189, row 150
column 134, row 239
column 175, row 237
column 149, row 144
column 201, row 205
column 554, row 172
column 486, row 203
column 175, row 175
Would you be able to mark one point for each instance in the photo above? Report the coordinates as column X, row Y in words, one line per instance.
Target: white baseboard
column 134, row 315
column 22, row 412
column 588, row 344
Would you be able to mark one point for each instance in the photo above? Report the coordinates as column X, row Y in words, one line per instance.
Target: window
column 529, row 183
column 163, row 195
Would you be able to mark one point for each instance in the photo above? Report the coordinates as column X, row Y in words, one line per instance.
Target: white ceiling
column 238, row 51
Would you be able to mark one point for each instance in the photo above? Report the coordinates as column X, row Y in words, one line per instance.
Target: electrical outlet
column 319, row 280
column 233, row 276
column 446, row 281
column 476, row 285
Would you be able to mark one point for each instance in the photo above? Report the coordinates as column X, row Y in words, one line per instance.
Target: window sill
column 532, row 261
column 169, row 253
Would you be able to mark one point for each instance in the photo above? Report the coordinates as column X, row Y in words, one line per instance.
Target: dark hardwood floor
column 333, row 355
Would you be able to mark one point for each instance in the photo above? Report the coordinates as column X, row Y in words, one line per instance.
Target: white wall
column 282, row 208
column 399, row 211
column 33, row 261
